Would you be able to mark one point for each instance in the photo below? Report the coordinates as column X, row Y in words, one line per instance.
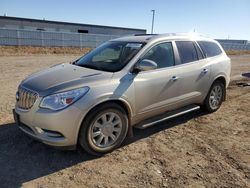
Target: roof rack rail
column 144, row 34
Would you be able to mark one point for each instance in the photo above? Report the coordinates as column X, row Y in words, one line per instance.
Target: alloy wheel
column 106, row 129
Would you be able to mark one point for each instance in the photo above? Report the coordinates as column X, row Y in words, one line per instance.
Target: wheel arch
column 122, row 103
column 221, row 78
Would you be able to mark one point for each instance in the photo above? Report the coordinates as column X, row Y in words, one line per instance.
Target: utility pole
column 153, row 21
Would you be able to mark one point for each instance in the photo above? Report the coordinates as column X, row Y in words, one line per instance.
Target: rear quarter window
column 210, row 49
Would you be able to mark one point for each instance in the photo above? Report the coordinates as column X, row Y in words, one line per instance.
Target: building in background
column 33, row 32
column 56, row 26
column 16, row 31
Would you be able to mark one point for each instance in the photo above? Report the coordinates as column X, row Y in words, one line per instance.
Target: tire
column 103, row 129
column 215, row 97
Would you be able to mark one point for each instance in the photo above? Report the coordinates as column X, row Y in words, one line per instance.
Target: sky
column 214, row 18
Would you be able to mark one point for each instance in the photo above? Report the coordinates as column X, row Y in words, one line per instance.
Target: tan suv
column 132, row 81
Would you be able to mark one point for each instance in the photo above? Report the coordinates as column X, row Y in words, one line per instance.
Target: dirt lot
column 195, row 150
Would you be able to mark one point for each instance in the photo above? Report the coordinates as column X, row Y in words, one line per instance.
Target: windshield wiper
column 92, row 67
column 74, row 62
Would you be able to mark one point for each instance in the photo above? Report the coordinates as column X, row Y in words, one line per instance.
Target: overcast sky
column 214, row 18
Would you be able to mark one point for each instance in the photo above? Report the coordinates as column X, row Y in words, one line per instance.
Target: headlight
column 62, row 100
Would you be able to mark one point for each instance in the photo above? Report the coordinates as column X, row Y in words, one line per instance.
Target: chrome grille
column 26, row 98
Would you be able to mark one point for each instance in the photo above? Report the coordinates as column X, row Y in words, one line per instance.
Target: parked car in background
column 134, row 81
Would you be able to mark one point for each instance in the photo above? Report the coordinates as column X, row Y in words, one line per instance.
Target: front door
column 155, row 89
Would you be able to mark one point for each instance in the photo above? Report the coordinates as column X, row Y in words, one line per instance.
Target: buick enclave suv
column 134, row 81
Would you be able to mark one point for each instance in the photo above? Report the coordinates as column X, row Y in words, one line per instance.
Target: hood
column 63, row 77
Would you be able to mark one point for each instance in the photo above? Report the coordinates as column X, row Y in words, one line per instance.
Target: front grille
column 26, row 98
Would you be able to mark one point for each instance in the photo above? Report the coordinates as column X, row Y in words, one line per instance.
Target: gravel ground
column 194, row 150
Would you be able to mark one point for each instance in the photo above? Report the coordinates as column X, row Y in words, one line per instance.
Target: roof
column 66, row 23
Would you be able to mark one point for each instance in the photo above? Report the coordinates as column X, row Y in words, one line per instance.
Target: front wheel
column 104, row 129
column 215, row 97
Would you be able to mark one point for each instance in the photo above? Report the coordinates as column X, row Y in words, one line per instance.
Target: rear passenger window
column 187, row 51
column 210, row 49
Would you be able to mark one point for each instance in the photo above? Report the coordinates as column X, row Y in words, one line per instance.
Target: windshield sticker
column 133, row 45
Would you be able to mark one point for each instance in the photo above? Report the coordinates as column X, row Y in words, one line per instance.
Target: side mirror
column 145, row 65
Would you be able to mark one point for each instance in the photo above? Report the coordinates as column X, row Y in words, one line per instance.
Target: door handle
column 174, row 78
column 204, row 71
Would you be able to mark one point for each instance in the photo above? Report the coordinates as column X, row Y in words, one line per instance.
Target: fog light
column 39, row 130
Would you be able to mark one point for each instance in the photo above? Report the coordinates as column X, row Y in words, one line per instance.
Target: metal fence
column 51, row 39
column 235, row 46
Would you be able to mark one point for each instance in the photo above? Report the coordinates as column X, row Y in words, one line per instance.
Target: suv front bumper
column 58, row 129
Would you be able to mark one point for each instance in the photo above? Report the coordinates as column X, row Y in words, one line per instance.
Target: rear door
column 194, row 71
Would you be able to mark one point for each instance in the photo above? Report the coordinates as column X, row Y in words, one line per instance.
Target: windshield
column 111, row 56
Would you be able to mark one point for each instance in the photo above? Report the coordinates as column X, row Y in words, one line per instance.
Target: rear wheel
column 215, row 97
column 104, row 129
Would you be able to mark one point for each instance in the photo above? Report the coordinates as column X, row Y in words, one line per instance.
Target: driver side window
column 162, row 54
